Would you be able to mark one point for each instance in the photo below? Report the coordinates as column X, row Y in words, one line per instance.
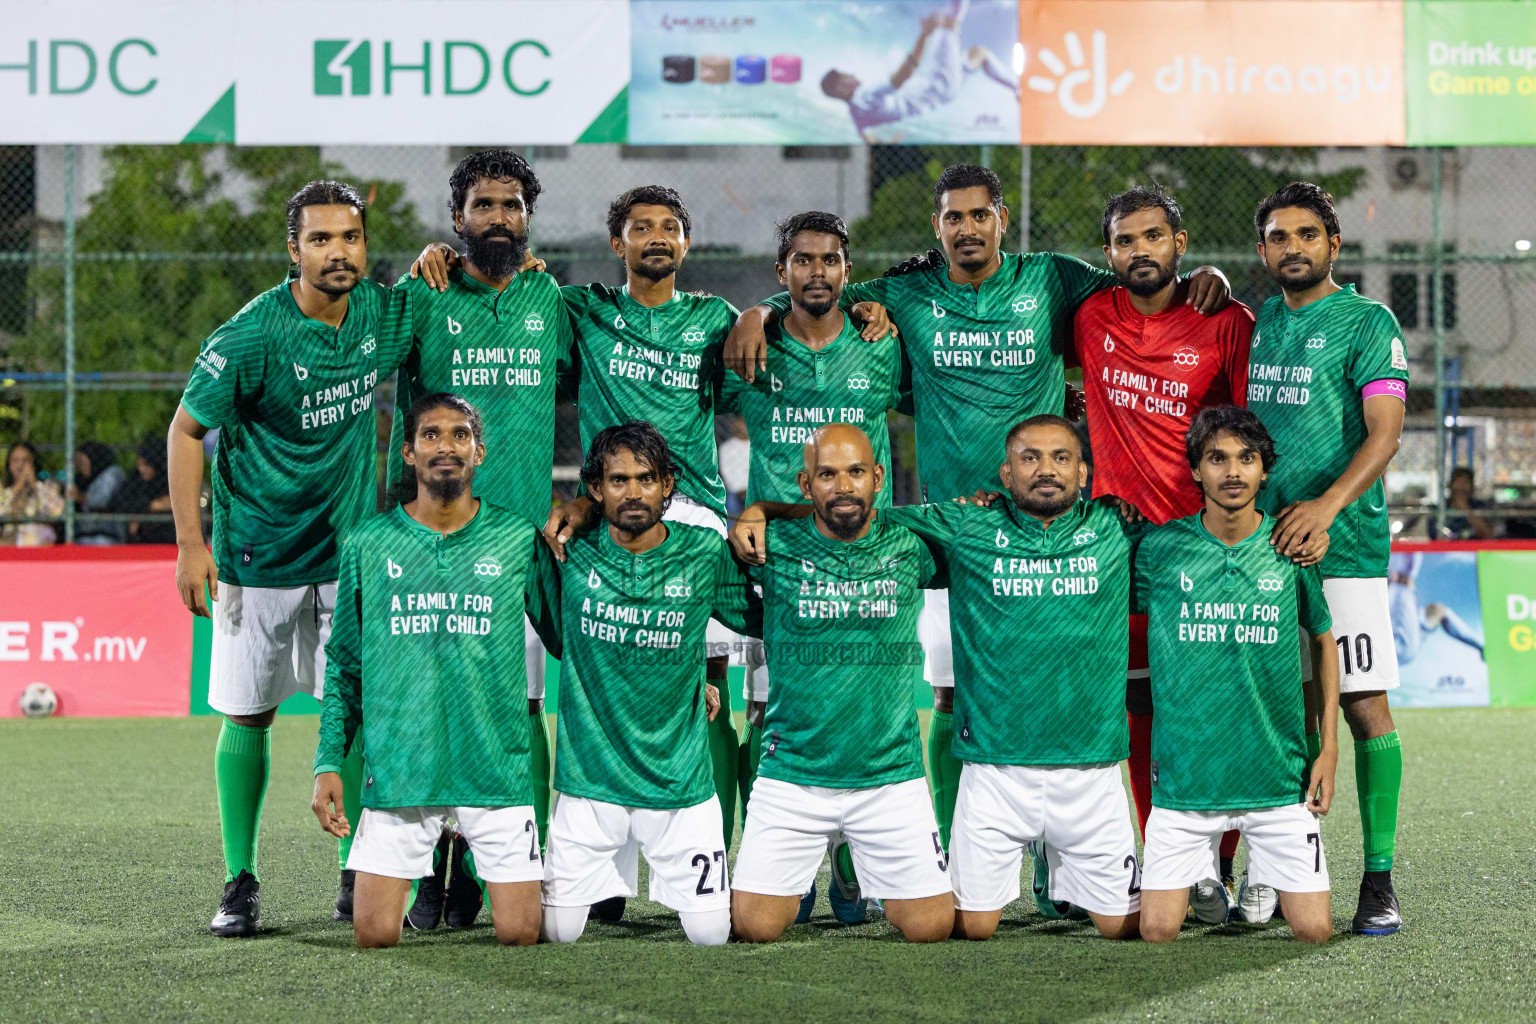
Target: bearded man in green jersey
column 498, row 336
column 424, row 669
column 288, row 381
column 1229, row 741
column 634, row 597
column 1328, row 374
column 841, row 748
column 818, row 372
column 984, row 333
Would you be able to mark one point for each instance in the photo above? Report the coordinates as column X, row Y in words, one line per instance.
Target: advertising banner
column 1206, row 72
column 823, row 71
column 111, row 637
column 1471, row 72
column 1508, row 582
column 1437, row 628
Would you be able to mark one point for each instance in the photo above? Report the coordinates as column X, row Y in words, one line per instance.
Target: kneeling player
column 425, row 668
column 1229, row 744
column 841, row 750
column 635, row 596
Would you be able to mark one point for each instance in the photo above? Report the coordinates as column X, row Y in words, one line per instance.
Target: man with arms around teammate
column 1329, row 376
column 841, row 749
column 634, row 597
column 423, row 670
column 1229, row 746
column 984, row 333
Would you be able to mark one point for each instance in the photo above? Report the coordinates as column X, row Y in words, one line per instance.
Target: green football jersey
column 1062, row 594
column 662, row 365
column 849, row 381
column 425, row 659
column 632, row 725
column 1230, row 729
column 1306, row 371
column 502, row 352
column 840, row 637
column 982, row 359
column 292, row 399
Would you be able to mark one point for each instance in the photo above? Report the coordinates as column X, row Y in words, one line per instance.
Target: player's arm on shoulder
column 435, row 263
column 936, row 523
column 541, row 593
column 748, row 535
column 1130, row 515
column 1209, row 290
column 565, row 519
column 1238, row 329
column 1078, row 278
column 746, row 346
column 736, row 604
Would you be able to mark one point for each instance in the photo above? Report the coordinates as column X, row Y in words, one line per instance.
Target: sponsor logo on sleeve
column 1399, row 355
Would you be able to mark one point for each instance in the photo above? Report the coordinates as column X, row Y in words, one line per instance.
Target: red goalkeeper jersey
column 1145, row 378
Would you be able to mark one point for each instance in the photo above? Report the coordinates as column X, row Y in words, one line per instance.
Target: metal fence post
column 1437, row 320
column 69, row 342
column 1023, row 211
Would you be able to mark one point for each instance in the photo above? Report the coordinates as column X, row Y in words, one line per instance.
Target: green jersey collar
column 465, row 532
column 965, row 289
column 291, row 306
column 608, row 545
column 1259, row 536
column 1325, row 301
column 1067, row 522
column 785, row 338
column 877, row 528
column 625, row 297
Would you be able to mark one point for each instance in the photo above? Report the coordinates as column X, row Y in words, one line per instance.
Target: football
column 39, row 701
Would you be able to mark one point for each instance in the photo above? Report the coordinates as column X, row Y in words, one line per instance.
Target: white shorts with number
column 398, row 841
column 533, row 659
column 1285, row 847
column 717, row 638
column 891, row 833
column 594, row 853
column 1081, row 813
column 1362, row 631
column 268, row 644
column 933, row 632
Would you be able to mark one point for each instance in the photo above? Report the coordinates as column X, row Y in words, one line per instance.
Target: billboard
column 1471, row 72
column 823, row 71
column 1207, row 72
column 1437, row 628
column 1508, row 582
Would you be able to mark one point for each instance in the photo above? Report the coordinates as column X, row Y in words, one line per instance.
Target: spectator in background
column 26, row 495
column 147, row 491
column 97, row 478
column 1460, row 499
column 735, row 462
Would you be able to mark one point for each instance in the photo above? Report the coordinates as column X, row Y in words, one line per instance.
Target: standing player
column 498, row 338
column 422, row 671
column 1229, row 741
column 1150, row 364
column 984, row 334
column 634, row 597
column 1329, row 377
column 841, row 748
column 819, row 372
column 289, row 381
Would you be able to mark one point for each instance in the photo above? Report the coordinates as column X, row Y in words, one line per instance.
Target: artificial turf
column 110, row 868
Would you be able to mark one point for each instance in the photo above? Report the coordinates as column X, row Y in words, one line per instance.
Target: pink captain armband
column 1396, row 388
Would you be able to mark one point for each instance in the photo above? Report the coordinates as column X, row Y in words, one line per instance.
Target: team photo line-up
column 1206, row 615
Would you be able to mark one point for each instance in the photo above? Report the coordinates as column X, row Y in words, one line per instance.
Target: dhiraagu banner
column 1471, row 72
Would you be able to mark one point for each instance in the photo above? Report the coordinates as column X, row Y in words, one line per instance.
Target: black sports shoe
column 1377, row 913
column 463, row 903
column 608, row 911
column 344, row 895
column 240, row 909
column 427, row 912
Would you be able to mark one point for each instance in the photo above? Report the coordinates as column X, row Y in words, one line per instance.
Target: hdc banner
column 110, row 636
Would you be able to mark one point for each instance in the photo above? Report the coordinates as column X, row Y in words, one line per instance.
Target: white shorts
column 717, row 638
column 594, row 850
column 1362, row 630
column 268, row 644
column 891, row 833
column 1081, row 813
column 533, row 660
column 1285, row 847
column 397, row 842
column 933, row 632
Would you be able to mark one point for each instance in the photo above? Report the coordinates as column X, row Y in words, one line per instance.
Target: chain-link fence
column 115, row 263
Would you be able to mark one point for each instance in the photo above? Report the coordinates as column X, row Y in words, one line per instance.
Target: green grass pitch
column 111, row 869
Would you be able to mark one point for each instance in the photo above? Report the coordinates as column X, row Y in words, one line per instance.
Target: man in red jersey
column 1150, row 364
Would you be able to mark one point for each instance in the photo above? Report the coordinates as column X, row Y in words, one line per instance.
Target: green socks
column 538, row 748
column 351, row 796
column 751, row 753
column 943, row 771
column 1378, row 778
column 241, row 763
column 723, row 746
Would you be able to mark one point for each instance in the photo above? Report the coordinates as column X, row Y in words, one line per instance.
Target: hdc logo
column 344, row 67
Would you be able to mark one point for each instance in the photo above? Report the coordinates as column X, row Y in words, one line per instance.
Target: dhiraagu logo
column 1082, row 84
column 458, row 67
